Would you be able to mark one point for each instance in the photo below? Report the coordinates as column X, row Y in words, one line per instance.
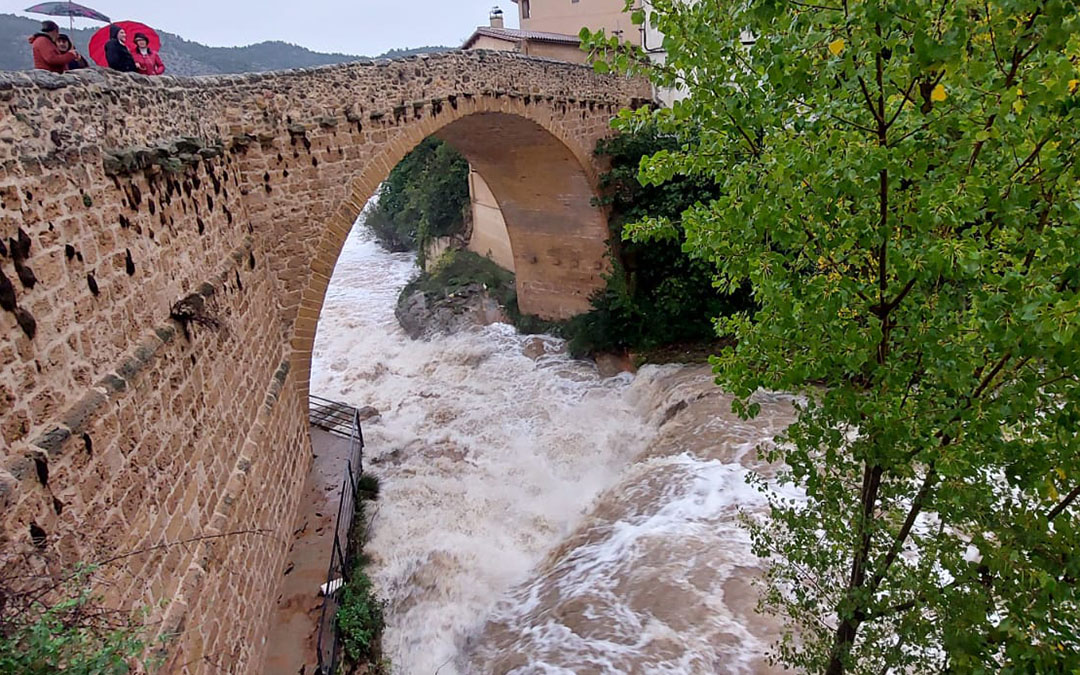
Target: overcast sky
column 364, row 27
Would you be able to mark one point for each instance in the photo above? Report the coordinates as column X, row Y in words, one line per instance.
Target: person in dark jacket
column 63, row 42
column 47, row 56
column 146, row 59
column 117, row 54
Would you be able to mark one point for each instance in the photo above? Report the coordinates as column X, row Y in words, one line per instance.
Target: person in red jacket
column 47, row 56
column 147, row 62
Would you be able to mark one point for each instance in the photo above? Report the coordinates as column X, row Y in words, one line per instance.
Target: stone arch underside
column 156, row 432
column 557, row 233
column 487, row 229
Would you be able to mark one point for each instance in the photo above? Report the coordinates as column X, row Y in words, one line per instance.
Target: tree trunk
column 845, row 637
column 845, row 633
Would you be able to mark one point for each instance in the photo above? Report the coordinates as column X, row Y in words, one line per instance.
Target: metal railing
column 343, row 421
column 337, row 418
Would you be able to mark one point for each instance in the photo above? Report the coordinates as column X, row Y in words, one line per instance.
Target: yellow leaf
column 1060, row 472
column 837, row 47
column 1019, row 91
column 1018, row 106
column 1073, row 84
column 938, row 94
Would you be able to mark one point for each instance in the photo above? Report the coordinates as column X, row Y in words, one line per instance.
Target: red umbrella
column 97, row 43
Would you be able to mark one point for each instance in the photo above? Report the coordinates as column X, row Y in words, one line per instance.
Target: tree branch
column 822, row 7
column 1010, row 78
column 1063, row 504
column 991, row 375
column 909, row 522
column 900, row 108
column 869, row 101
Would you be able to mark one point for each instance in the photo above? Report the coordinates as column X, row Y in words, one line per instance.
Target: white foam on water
column 641, row 587
column 487, row 458
column 532, row 519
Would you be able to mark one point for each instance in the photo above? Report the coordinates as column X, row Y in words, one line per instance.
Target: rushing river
column 536, row 518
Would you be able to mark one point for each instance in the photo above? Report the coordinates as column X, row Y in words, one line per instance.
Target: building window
column 524, row 9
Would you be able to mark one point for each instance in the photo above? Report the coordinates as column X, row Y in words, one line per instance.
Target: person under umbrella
column 63, row 42
column 68, row 9
column 117, row 54
column 47, row 56
column 146, row 60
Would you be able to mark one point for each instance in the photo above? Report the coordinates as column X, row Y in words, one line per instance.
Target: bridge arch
column 181, row 233
column 545, row 185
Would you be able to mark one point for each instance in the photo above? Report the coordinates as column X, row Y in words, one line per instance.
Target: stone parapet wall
column 154, row 377
column 111, row 110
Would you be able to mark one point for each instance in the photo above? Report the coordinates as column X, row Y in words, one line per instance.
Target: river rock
column 412, row 314
column 367, row 413
column 610, row 365
column 533, row 348
column 422, row 316
column 538, row 345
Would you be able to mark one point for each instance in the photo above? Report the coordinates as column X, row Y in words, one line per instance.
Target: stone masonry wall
column 166, row 247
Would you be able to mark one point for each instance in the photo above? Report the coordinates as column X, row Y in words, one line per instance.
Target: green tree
column 424, row 197
column 655, row 294
column 897, row 181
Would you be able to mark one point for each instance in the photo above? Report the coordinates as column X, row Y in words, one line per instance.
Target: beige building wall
column 489, row 236
column 653, row 44
column 569, row 17
column 554, row 50
column 488, row 42
column 547, row 50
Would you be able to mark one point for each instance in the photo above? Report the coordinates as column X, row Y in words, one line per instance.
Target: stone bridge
column 166, row 247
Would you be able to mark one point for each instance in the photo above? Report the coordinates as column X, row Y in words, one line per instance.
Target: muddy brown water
column 658, row 577
column 536, row 517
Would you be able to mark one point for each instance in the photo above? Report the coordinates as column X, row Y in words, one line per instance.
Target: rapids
column 534, row 517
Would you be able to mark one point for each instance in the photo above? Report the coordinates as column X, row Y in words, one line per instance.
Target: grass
column 360, row 619
column 457, row 270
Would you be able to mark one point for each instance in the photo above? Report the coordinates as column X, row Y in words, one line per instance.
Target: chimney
column 496, row 17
